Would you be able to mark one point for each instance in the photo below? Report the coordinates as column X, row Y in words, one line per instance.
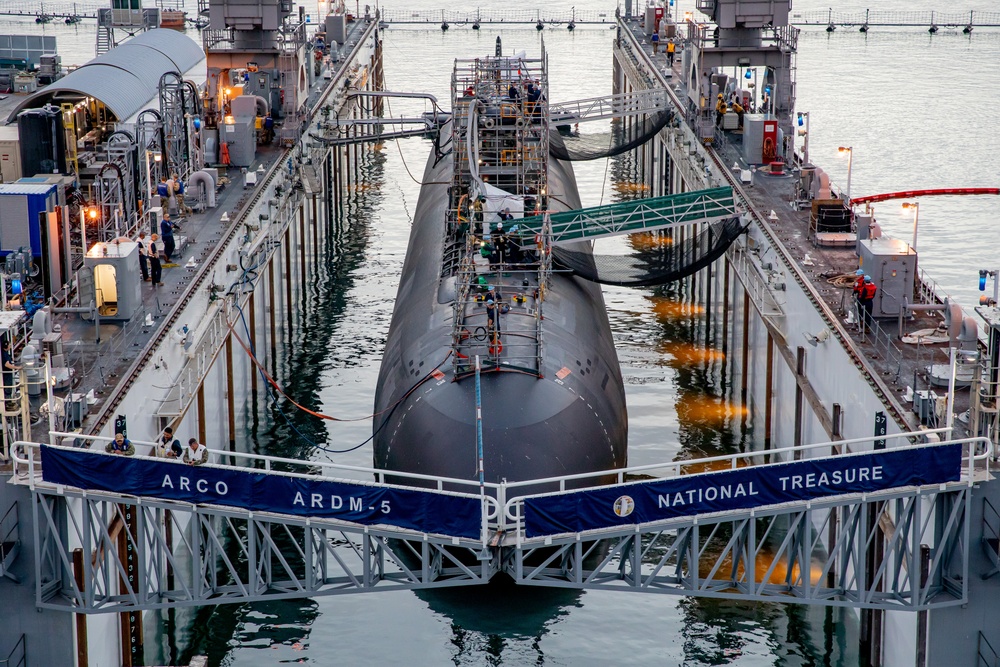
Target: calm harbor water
column 918, row 111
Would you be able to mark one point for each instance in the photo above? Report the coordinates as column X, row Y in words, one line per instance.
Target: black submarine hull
column 570, row 420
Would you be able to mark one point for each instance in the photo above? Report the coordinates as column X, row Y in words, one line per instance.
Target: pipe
column 195, row 95
column 204, row 179
column 262, row 102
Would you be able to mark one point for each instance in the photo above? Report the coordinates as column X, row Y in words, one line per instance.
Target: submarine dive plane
column 477, row 288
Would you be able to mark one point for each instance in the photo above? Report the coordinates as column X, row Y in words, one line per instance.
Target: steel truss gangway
column 619, row 105
column 899, row 538
column 641, row 215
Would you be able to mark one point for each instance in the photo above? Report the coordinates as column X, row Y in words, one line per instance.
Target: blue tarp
column 756, row 486
column 366, row 504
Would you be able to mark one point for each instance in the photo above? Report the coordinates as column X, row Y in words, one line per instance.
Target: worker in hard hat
column 720, row 110
column 867, row 299
column 738, row 108
column 859, row 281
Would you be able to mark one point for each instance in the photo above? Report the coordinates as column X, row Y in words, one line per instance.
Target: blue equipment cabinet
column 20, row 204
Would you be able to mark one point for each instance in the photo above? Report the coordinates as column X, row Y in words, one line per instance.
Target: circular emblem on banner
column 624, row 505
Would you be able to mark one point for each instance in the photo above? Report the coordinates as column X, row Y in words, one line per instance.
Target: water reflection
column 501, row 623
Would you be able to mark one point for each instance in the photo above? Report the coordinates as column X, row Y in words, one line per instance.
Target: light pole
column 804, row 133
column 850, row 160
column 915, row 205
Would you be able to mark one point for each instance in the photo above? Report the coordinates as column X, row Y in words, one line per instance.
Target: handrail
column 514, row 516
column 22, row 661
column 981, row 657
column 13, row 529
column 269, row 463
column 731, row 458
column 677, row 466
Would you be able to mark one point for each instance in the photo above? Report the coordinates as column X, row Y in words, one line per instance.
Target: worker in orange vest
column 859, row 282
column 867, row 299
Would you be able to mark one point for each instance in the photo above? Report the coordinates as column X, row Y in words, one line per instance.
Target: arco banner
column 454, row 515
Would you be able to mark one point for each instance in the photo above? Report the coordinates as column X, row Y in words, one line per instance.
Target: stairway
column 10, row 542
column 990, row 538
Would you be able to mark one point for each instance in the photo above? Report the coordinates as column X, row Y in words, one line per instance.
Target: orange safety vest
column 670, row 47
column 868, row 291
column 858, row 284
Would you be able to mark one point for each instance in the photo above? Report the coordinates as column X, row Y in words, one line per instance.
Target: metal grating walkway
column 643, row 215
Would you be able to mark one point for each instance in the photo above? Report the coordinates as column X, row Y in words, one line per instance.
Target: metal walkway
column 619, row 105
column 642, row 215
column 102, row 551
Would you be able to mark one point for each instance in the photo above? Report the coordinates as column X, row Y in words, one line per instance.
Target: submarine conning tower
column 486, row 338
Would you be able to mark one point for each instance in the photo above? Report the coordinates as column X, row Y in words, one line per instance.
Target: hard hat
column 489, row 288
column 500, row 225
column 514, row 228
column 720, row 96
column 859, row 272
column 868, row 279
column 489, row 302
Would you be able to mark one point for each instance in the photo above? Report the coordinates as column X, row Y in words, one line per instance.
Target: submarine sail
column 474, row 286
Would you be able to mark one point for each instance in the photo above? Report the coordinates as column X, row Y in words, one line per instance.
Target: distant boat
column 172, row 18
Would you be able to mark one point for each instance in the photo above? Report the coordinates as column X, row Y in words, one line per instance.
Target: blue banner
column 754, row 486
column 424, row 511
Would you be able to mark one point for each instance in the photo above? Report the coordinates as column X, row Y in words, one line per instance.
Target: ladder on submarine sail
column 500, row 134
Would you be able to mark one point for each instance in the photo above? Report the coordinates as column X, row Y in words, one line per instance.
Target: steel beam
column 775, row 554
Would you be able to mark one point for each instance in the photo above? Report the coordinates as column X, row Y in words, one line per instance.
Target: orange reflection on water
column 707, row 411
column 689, row 353
column 762, row 563
column 670, row 309
column 645, row 241
column 629, row 187
column 711, row 466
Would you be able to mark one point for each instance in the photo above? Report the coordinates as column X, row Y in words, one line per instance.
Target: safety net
column 660, row 257
column 566, row 144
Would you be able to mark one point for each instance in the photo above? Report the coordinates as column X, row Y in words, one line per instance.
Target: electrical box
column 892, row 264
column 10, row 154
column 117, row 287
column 758, row 140
column 20, row 206
column 924, row 403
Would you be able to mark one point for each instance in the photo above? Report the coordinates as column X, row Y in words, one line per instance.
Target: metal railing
column 513, row 507
column 507, row 16
column 502, row 508
column 17, row 657
column 9, row 535
column 986, row 655
column 890, row 357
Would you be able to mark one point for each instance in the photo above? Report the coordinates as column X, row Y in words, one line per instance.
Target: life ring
column 480, row 334
column 496, row 348
column 463, row 334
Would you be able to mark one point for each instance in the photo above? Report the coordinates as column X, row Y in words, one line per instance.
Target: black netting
column 666, row 260
column 567, row 145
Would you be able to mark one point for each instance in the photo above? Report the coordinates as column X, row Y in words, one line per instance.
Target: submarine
column 481, row 310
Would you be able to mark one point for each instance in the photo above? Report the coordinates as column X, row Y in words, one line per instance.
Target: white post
column 149, row 187
column 950, row 404
column 850, row 162
column 48, row 394
column 916, row 216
